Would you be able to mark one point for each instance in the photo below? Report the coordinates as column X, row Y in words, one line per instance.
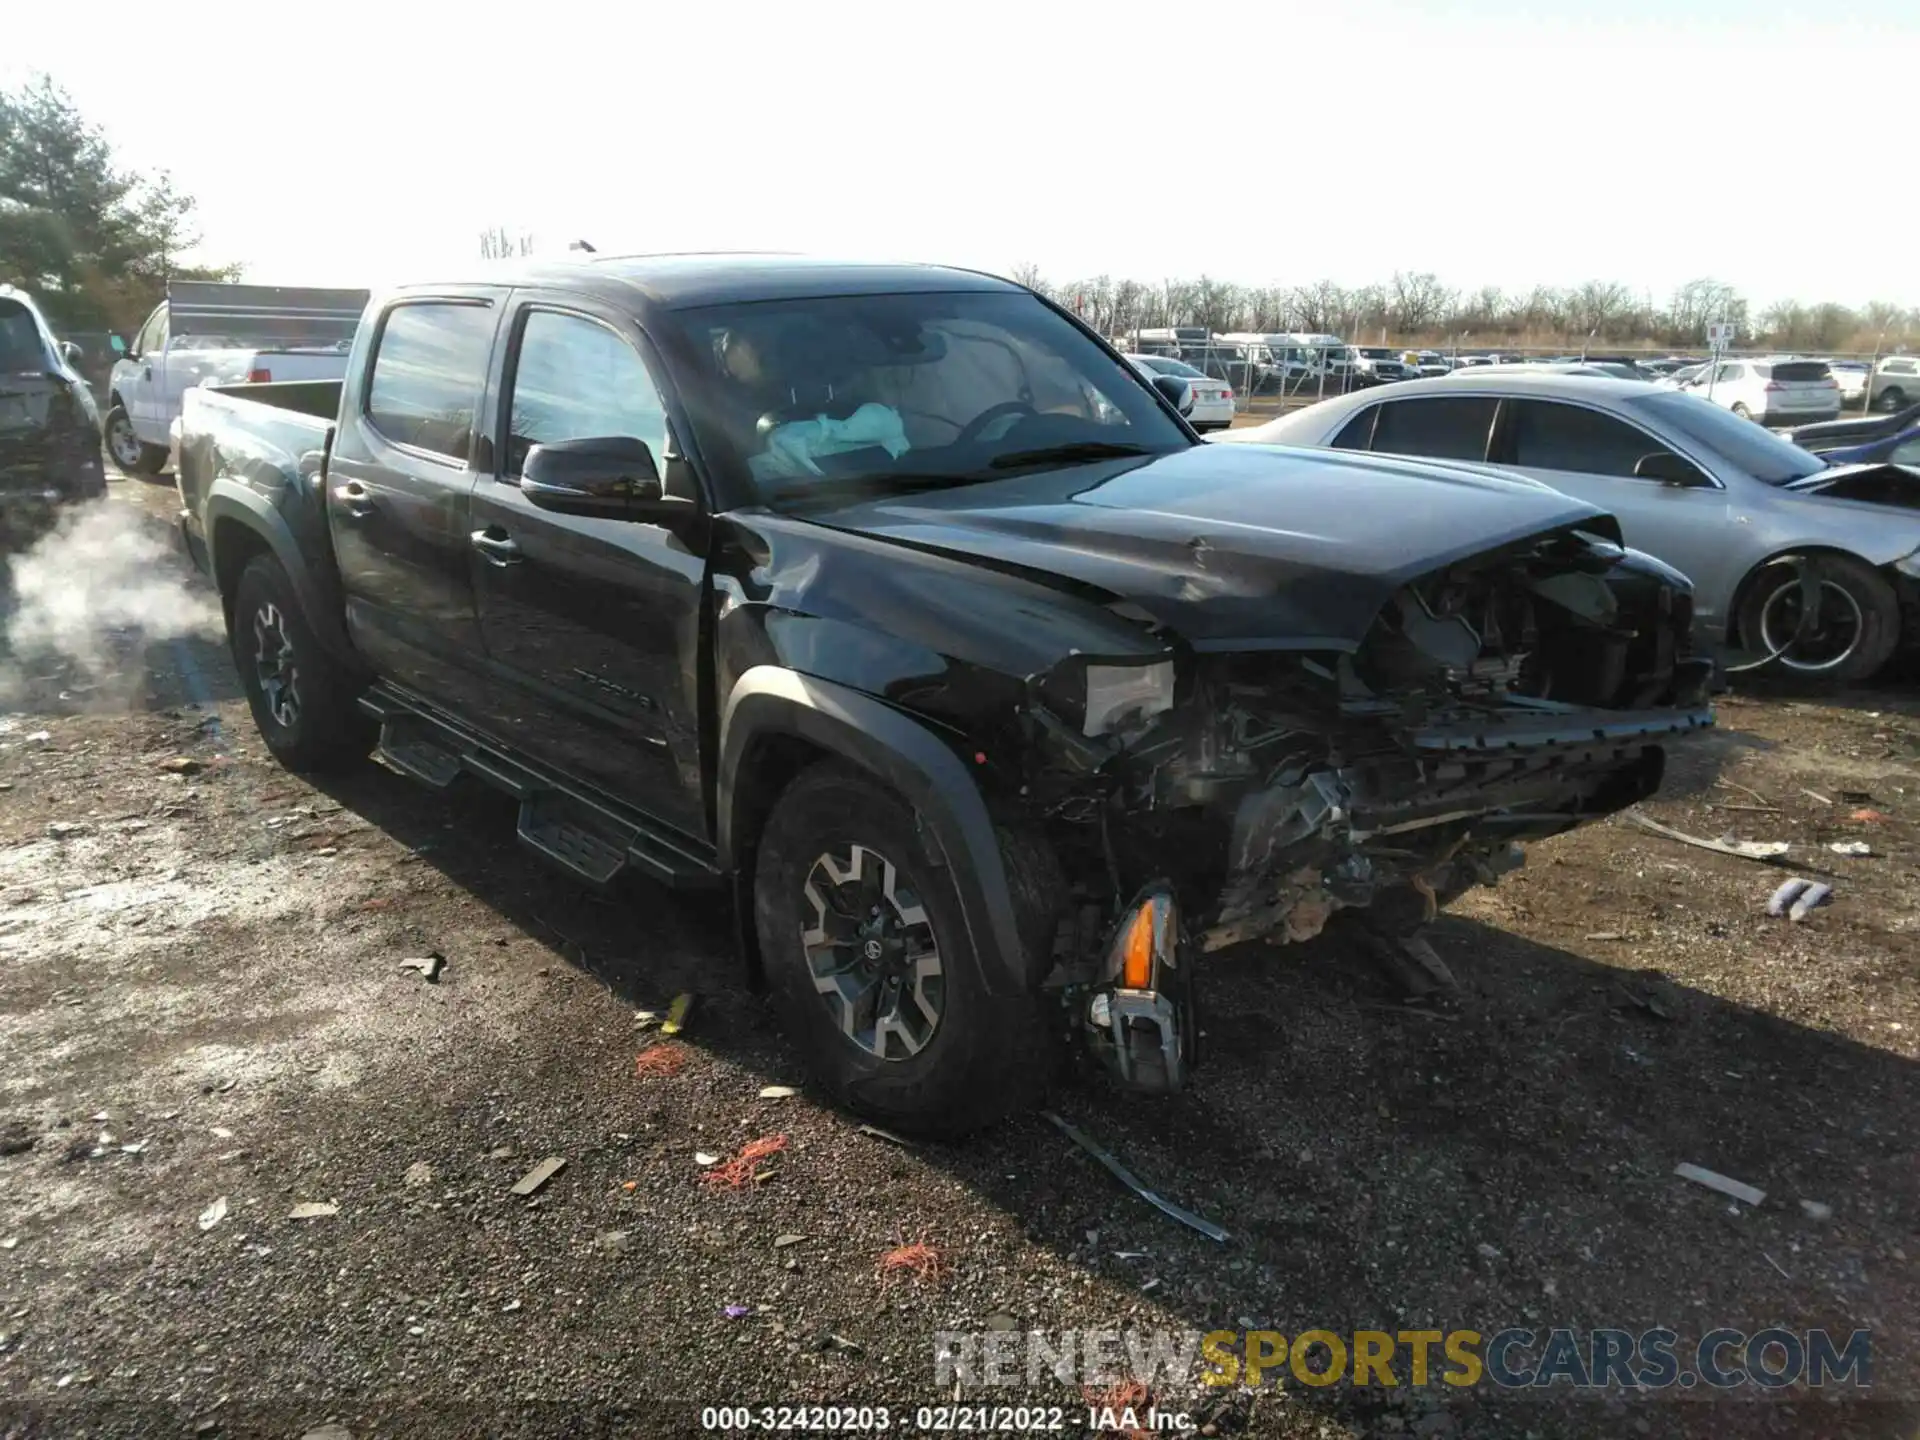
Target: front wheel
column 303, row 701
column 864, row 948
column 130, row 453
column 1854, row 633
column 1890, row 400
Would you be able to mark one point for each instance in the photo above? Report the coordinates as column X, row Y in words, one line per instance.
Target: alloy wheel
column 872, row 952
column 1836, row 634
column 275, row 665
column 122, row 441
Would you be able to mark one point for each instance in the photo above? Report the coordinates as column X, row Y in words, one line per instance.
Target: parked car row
column 1801, row 563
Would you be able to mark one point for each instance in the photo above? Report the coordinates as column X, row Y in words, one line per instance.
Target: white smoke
column 89, row 596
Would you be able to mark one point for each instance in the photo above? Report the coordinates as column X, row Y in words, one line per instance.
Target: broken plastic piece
column 1765, row 851
column 1789, row 891
column 1850, row 847
column 313, row 1210
column 677, row 1015
column 777, row 1092
column 1714, row 1181
column 539, row 1175
column 213, row 1214
column 1127, row 1178
column 1810, row 898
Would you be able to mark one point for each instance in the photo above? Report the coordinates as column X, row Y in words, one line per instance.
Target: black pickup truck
column 892, row 599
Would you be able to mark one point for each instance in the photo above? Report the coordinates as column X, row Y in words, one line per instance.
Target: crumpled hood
column 1234, row 547
column 1875, row 482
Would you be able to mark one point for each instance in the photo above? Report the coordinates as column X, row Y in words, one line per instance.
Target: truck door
column 404, row 464
column 141, row 378
column 594, row 624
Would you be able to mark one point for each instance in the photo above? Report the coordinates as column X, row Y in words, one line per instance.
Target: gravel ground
column 203, row 1008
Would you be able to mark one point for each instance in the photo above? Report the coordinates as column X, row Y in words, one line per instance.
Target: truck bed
column 269, row 437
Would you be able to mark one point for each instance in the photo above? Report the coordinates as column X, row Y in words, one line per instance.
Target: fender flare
column 228, row 500
column 911, row 761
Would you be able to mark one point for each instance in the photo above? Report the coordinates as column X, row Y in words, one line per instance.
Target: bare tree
column 1028, row 274
column 1416, row 302
column 499, row 244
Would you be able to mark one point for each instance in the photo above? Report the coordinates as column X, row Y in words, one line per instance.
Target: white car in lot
column 1851, row 377
column 1213, row 407
column 1777, row 391
column 1895, row 384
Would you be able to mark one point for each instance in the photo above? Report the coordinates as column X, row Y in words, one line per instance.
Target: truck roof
column 684, row 281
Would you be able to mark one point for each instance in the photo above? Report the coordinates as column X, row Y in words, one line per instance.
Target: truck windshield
column 913, row 390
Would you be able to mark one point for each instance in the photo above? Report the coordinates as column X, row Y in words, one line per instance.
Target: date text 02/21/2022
column 943, row 1419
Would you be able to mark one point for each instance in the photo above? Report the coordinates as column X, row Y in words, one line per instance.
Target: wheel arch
column 240, row 524
column 777, row 718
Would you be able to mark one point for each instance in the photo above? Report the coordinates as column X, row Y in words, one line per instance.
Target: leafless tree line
column 1417, row 307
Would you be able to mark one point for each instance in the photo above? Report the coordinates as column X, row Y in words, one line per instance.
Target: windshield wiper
column 1067, row 454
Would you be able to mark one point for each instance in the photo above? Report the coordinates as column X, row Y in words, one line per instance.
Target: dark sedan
column 49, row 423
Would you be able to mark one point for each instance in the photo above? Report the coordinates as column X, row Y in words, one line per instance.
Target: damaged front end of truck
column 1225, row 794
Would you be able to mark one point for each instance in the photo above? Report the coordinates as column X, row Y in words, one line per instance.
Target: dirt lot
column 203, row 1005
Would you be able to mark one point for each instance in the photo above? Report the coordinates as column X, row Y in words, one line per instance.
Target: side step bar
column 591, row 840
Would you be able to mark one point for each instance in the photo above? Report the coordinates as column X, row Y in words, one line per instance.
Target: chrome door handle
column 498, row 549
column 354, row 498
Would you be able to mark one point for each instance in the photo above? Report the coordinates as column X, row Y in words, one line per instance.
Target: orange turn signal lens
column 1136, row 947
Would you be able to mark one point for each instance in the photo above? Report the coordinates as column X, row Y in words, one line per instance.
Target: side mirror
column 71, row 352
column 1669, row 469
column 1179, row 394
column 610, row 476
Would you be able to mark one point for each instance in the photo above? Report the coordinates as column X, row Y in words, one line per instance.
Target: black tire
column 985, row 1057
column 1890, row 399
column 1867, row 607
column 321, row 728
column 131, row 455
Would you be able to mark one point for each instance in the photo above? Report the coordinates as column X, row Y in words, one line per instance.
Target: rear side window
column 428, row 373
column 19, row 340
column 1357, row 433
column 1801, row 370
column 1552, row 436
column 1453, row 428
column 1898, row 367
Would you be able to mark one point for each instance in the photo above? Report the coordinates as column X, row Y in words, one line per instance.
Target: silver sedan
column 1797, row 566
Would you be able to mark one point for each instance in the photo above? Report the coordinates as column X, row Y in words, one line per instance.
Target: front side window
column 20, row 348
column 1754, row 448
column 1548, row 435
column 1449, row 428
column 428, row 373
column 152, row 338
column 909, row 391
column 577, row 380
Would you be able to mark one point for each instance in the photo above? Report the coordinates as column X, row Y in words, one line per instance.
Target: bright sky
column 1496, row 142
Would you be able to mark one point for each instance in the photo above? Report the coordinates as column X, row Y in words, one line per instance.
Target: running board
column 570, row 826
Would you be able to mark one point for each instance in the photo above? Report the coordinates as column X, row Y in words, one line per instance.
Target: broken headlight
column 1121, row 697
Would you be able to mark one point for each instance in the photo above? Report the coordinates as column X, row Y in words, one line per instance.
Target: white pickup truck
column 206, row 332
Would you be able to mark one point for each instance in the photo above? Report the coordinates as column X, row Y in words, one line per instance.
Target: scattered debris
column 887, row 1135
column 781, row 1242
column 1486, row 1251
column 1126, row 1178
column 182, row 765
column 737, row 1312
column 1817, row 1210
column 61, row 829
column 1868, row 817
column 1714, row 1181
column 221, row 1132
column 1850, row 847
column 10, row 1242
column 742, row 1167
column 677, row 1014
column 134, row 1147
column 620, row 1240
column 313, row 1210
column 213, row 1214
column 1810, row 899
column 419, row 1174
column 1776, row 1265
column 429, row 965
column 704, row 1158
column 1815, row 795
column 646, row 1019
column 666, row 1059
column 1607, row 935
column 510, row 1307
column 922, row 1261
column 1654, row 994
column 328, row 1431
column 17, row 1138
column 528, row 1183
column 1762, row 802
column 777, row 1092
column 1764, row 851
column 1789, row 891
